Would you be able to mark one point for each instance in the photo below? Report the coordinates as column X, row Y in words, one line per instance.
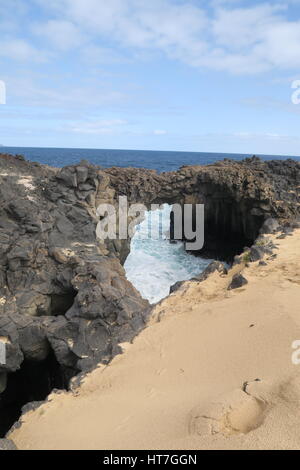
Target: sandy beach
column 213, row 370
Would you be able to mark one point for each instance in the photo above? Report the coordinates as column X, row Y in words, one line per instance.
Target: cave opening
column 228, row 229
column 33, row 382
column 228, row 226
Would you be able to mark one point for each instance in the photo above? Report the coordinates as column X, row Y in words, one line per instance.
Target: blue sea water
column 155, row 160
column 153, row 265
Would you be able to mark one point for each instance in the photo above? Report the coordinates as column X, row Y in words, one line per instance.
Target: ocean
column 155, row 160
column 153, row 265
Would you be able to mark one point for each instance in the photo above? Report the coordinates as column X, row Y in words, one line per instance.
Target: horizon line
column 153, row 150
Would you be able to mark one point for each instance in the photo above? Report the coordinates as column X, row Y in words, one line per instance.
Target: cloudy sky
column 195, row 75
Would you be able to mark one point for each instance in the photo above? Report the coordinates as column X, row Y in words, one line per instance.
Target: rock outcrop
column 7, row 444
column 238, row 280
column 65, row 301
column 60, row 295
column 238, row 197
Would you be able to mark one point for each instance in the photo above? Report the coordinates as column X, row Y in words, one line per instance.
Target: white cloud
column 61, row 34
column 102, row 127
column 239, row 40
column 101, row 55
column 159, row 24
column 160, row 132
column 226, row 36
column 266, row 135
column 268, row 143
column 29, row 90
column 243, row 27
column 20, row 50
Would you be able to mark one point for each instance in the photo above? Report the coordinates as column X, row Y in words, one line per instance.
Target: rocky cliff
column 65, row 303
column 238, row 196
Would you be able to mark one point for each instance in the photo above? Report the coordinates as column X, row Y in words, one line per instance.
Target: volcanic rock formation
column 65, row 302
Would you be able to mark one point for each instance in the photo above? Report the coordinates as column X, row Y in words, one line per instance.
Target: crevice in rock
column 34, row 381
column 61, row 303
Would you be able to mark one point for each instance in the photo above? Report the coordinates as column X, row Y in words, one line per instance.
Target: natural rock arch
column 62, row 293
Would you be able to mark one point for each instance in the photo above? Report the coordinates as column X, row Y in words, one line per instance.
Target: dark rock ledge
column 65, row 303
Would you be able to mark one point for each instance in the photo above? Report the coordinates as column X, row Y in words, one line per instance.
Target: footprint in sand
column 152, row 393
column 237, row 413
column 161, row 371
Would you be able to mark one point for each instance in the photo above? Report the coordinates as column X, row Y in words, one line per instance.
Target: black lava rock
column 237, row 281
column 256, row 253
column 270, row 226
column 7, row 444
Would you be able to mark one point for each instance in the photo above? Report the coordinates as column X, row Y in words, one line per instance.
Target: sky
column 184, row 75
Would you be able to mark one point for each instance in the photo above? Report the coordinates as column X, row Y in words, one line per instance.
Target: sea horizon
column 257, row 154
column 159, row 160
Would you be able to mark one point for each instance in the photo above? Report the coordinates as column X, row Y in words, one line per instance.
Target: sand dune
column 213, row 370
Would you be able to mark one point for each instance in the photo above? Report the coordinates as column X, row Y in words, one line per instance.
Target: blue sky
column 191, row 75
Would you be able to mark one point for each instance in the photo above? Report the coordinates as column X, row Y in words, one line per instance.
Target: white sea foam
column 154, row 264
